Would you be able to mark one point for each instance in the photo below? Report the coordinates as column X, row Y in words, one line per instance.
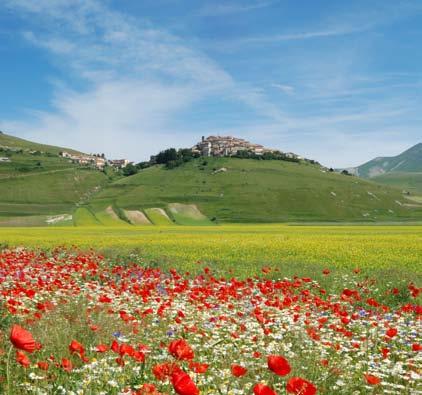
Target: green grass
column 84, row 217
column 411, row 182
column 158, row 217
column 15, row 142
column 34, row 185
column 245, row 249
column 62, row 187
column 185, row 214
column 109, row 217
column 260, row 191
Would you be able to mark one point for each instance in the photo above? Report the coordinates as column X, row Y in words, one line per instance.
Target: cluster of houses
column 96, row 160
column 229, row 146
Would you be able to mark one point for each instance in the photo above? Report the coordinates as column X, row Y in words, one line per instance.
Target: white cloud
column 128, row 117
column 139, row 78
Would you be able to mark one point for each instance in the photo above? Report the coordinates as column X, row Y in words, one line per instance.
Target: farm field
column 263, row 310
column 244, row 249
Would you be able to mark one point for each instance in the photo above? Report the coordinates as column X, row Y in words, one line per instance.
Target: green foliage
column 173, row 158
column 129, row 170
column 274, row 155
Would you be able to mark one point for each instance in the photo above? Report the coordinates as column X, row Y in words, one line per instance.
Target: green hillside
column 257, row 191
column 40, row 188
column 409, row 182
column 409, row 161
column 18, row 143
column 36, row 183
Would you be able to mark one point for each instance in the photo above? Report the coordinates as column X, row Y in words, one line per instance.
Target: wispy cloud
column 288, row 89
column 276, row 38
column 228, row 8
column 139, row 82
column 139, row 78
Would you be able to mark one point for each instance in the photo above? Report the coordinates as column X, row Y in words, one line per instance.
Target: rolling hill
column 37, row 184
column 38, row 188
column 247, row 190
column 8, row 141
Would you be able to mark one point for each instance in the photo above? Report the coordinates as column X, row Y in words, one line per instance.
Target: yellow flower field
column 244, row 248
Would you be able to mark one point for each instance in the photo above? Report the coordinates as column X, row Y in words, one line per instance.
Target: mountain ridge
column 409, row 160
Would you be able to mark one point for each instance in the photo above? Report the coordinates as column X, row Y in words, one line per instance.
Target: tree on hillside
column 130, row 170
column 166, row 156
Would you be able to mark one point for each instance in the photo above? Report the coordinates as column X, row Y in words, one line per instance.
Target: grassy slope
column 84, row 217
column 259, row 191
column 157, row 218
column 34, row 186
column 411, row 182
column 15, row 142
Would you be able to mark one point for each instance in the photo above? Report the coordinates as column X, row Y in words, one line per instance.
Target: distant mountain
column 409, row 161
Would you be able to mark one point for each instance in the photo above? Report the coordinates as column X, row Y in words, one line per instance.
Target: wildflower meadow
column 77, row 322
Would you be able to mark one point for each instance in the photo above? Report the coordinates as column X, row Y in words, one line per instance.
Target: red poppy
column 385, row 352
column 147, row 389
column 66, row 365
column 42, row 365
column 126, row 349
column 198, row 367
column 278, row 364
column 299, row 386
column 163, row 371
column 391, row 332
column 183, row 384
column 115, row 346
column 238, row 371
column 22, row 339
column 23, row 359
column 76, row 347
column 101, row 348
column 180, row 349
column 138, row 356
column 262, row 389
column 372, row 380
column 417, row 347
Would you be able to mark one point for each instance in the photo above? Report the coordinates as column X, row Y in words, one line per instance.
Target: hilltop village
column 211, row 146
column 231, row 146
column 96, row 160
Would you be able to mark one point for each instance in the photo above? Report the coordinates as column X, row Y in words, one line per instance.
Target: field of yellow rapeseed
column 244, row 248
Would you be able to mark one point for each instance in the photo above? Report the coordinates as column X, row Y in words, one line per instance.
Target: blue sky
column 337, row 81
